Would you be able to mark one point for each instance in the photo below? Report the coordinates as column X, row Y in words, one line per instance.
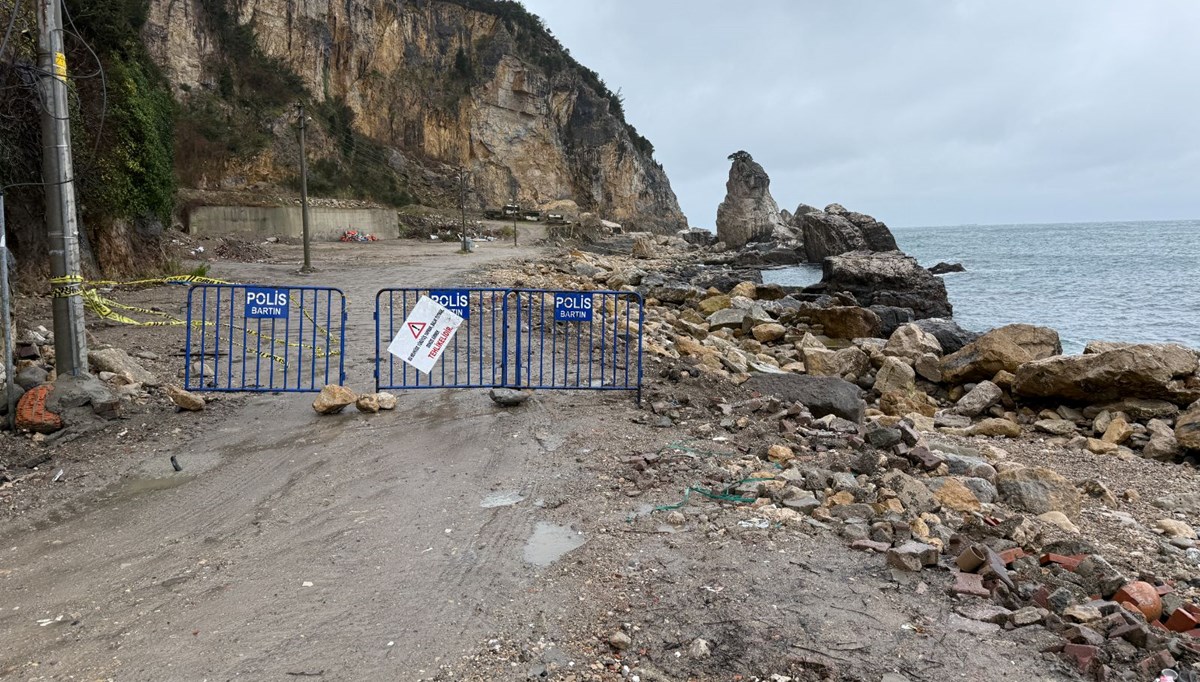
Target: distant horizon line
column 1073, row 222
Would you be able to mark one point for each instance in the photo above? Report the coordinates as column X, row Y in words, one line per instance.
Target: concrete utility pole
column 462, row 205
column 304, row 190
column 58, row 175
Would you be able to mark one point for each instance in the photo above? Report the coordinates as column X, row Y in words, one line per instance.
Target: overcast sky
column 920, row 112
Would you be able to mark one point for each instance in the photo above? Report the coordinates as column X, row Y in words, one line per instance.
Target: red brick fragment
column 1084, row 655
column 1068, row 562
column 1182, row 620
column 865, row 544
column 1011, row 555
column 1164, row 590
column 969, row 584
column 1193, row 633
column 1156, row 662
column 32, row 414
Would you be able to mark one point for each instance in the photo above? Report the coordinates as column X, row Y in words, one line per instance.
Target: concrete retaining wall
column 326, row 224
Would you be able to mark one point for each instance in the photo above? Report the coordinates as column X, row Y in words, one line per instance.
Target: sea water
column 1120, row 281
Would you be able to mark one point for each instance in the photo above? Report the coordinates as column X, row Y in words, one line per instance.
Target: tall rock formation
column 836, row 231
column 749, row 213
column 416, row 90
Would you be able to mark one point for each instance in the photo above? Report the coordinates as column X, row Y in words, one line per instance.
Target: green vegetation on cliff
column 122, row 125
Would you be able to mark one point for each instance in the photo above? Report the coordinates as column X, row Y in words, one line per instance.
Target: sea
column 1119, row 281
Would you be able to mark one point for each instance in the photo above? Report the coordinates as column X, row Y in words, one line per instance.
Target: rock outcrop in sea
column 749, row 212
column 836, row 230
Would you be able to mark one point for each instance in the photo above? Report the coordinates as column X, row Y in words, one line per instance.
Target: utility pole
column 462, row 204
column 304, row 190
column 58, row 175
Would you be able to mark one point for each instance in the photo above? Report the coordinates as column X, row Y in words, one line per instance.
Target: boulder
column 643, row 247
column 1038, row 490
column 953, row 495
column 895, row 375
column 978, row 399
column 749, row 213
column 911, row 342
column 117, row 361
column 831, row 233
column 887, row 278
column 1162, row 444
column 822, row 395
column 996, row 427
column 904, row 403
column 333, row 399
column 387, row 401
column 31, row 377
column 185, row 400
column 727, row 318
column 1187, row 428
column 910, row 491
column 712, row 304
column 929, row 366
column 848, row 363
column 1055, row 427
column 891, row 318
column 1156, row 371
column 947, row 332
column 844, row 322
column 768, row 332
column 944, row 267
column 746, row 289
column 1002, row 349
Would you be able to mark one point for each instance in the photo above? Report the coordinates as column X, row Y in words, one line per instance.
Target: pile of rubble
column 901, row 445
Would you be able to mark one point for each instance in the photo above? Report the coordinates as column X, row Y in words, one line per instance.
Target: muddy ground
column 425, row 543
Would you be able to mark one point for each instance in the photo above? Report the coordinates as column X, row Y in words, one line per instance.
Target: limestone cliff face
column 441, row 86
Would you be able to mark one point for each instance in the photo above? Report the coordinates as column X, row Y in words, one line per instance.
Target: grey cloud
column 922, row 112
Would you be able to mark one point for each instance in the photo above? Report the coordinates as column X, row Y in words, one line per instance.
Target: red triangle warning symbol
column 416, row 328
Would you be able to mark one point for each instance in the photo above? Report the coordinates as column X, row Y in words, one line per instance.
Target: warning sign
column 425, row 334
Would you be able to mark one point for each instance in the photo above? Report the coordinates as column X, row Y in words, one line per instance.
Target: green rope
column 722, row 496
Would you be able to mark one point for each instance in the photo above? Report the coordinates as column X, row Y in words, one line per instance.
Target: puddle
column 503, row 498
column 549, row 542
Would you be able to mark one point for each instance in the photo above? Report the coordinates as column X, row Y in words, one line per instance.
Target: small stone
column 912, row 556
column 508, row 397
column 1055, row 427
column 1059, row 519
column 676, row 518
column 780, row 454
column 1029, row 615
column 333, row 399
column 1175, row 529
column 996, row 427
column 700, row 649
column 368, row 403
column 619, row 640
column 387, row 401
column 1100, row 447
column 185, row 399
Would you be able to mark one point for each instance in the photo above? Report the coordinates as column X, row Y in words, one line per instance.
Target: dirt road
column 421, row 544
column 206, row 574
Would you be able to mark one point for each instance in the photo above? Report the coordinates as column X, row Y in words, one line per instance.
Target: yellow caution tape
column 74, row 285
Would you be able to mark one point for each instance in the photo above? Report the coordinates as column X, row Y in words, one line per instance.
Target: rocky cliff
column 410, row 91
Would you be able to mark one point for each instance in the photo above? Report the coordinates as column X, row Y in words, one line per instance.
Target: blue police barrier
column 515, row 338
column 475, row 357
column 264, row 339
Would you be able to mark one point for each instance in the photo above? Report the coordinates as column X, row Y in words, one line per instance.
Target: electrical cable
column 12, row 21
column 103, row 77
